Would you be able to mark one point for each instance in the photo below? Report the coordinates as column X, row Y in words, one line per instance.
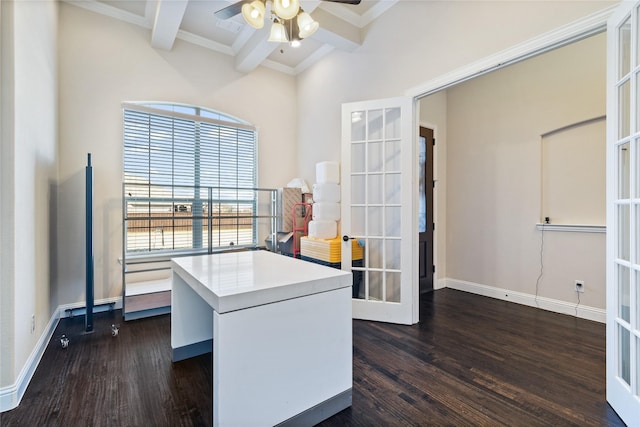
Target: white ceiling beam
column 169, row 14
column 336, row 32
column 150, row 8
column 255, row 50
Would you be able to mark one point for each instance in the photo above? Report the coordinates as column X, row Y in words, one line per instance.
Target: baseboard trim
column 192, row 350
column 10, row 396
column 79, row 308
column 439, row 284
column 549, row 304
column 142, row 314
column 321, row 411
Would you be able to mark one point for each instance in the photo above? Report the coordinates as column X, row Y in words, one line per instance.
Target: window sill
column 148, row 258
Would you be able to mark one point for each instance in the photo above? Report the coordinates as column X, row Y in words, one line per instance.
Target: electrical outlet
column 33, row 323
column 579, row 285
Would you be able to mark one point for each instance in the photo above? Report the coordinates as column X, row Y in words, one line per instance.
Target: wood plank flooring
column 470, row 361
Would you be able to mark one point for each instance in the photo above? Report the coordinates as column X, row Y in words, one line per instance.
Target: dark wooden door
column 425, row 206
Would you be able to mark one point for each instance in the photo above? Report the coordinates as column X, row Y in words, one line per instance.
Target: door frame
column 434, row 197
column 439, row 193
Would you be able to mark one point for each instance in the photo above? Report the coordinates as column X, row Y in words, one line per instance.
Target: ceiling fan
column 290, row 23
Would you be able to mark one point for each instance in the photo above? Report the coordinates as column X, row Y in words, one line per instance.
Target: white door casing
column 378, row 208
column 623, row 212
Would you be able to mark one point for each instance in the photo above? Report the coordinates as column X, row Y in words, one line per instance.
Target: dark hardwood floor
column 470, row 361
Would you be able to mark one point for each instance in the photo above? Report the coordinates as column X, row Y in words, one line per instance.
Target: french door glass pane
column 357, row 220
column 358, row 126
column 374, row 189
column 393, row 122
column 358, row 189
column 374, row 156
column 375, row 254
column 637, row 38
column 624, row 294
column 374, row 221
column 637, row 99
column 375, row 285
column 625, row 48
column 637, row 364
column 624, row 107
column 375, row 125
column 392, row 228
column 637, row 151
column 392, row 156
column 624, row 168
column 637, row 260
column 624, row 356
column 637, row 287
column 623, row 232
column 358, row 164
column 393, row 287
column 393, row 254
column 392, row 189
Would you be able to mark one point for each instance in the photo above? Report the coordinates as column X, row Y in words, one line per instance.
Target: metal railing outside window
column 174, row 220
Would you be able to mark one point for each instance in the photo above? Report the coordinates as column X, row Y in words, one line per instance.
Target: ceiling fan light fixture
column 253, row 13
column 286, row 9
column 278, row 33
column 307, row 25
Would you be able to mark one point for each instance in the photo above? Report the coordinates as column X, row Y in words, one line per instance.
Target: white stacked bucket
column 326, row 201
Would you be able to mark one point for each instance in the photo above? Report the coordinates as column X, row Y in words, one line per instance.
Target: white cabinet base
column 283, row 362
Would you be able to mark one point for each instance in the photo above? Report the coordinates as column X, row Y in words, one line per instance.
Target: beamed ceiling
column 341, row 27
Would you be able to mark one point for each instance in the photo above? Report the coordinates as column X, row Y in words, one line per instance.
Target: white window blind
column 189, row 179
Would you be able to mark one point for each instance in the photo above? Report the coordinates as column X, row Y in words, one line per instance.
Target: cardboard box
column 287, row 197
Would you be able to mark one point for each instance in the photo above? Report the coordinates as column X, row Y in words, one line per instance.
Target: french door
column 379, row 214
column 623, row 212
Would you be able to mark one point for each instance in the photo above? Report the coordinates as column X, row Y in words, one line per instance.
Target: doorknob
column 346, row 238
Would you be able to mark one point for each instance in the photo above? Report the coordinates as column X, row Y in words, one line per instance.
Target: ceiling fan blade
column 230, row 11
column 354, row 2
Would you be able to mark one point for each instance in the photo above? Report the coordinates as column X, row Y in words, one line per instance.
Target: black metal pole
column 88, row 323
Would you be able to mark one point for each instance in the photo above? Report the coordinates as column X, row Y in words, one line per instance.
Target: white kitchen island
column 280, row 332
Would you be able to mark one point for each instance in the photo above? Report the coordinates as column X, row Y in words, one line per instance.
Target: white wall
column 104, row 62
column 494, row 166
column 29, row 159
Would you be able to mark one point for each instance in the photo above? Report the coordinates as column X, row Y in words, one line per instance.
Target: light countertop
column 238, row 280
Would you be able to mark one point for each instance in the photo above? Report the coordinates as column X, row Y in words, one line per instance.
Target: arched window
column 189, row 179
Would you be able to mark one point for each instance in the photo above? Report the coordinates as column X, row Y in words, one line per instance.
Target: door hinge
column 434, row 268
column 434, row 141
column 434, row 183
column 434, row 226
